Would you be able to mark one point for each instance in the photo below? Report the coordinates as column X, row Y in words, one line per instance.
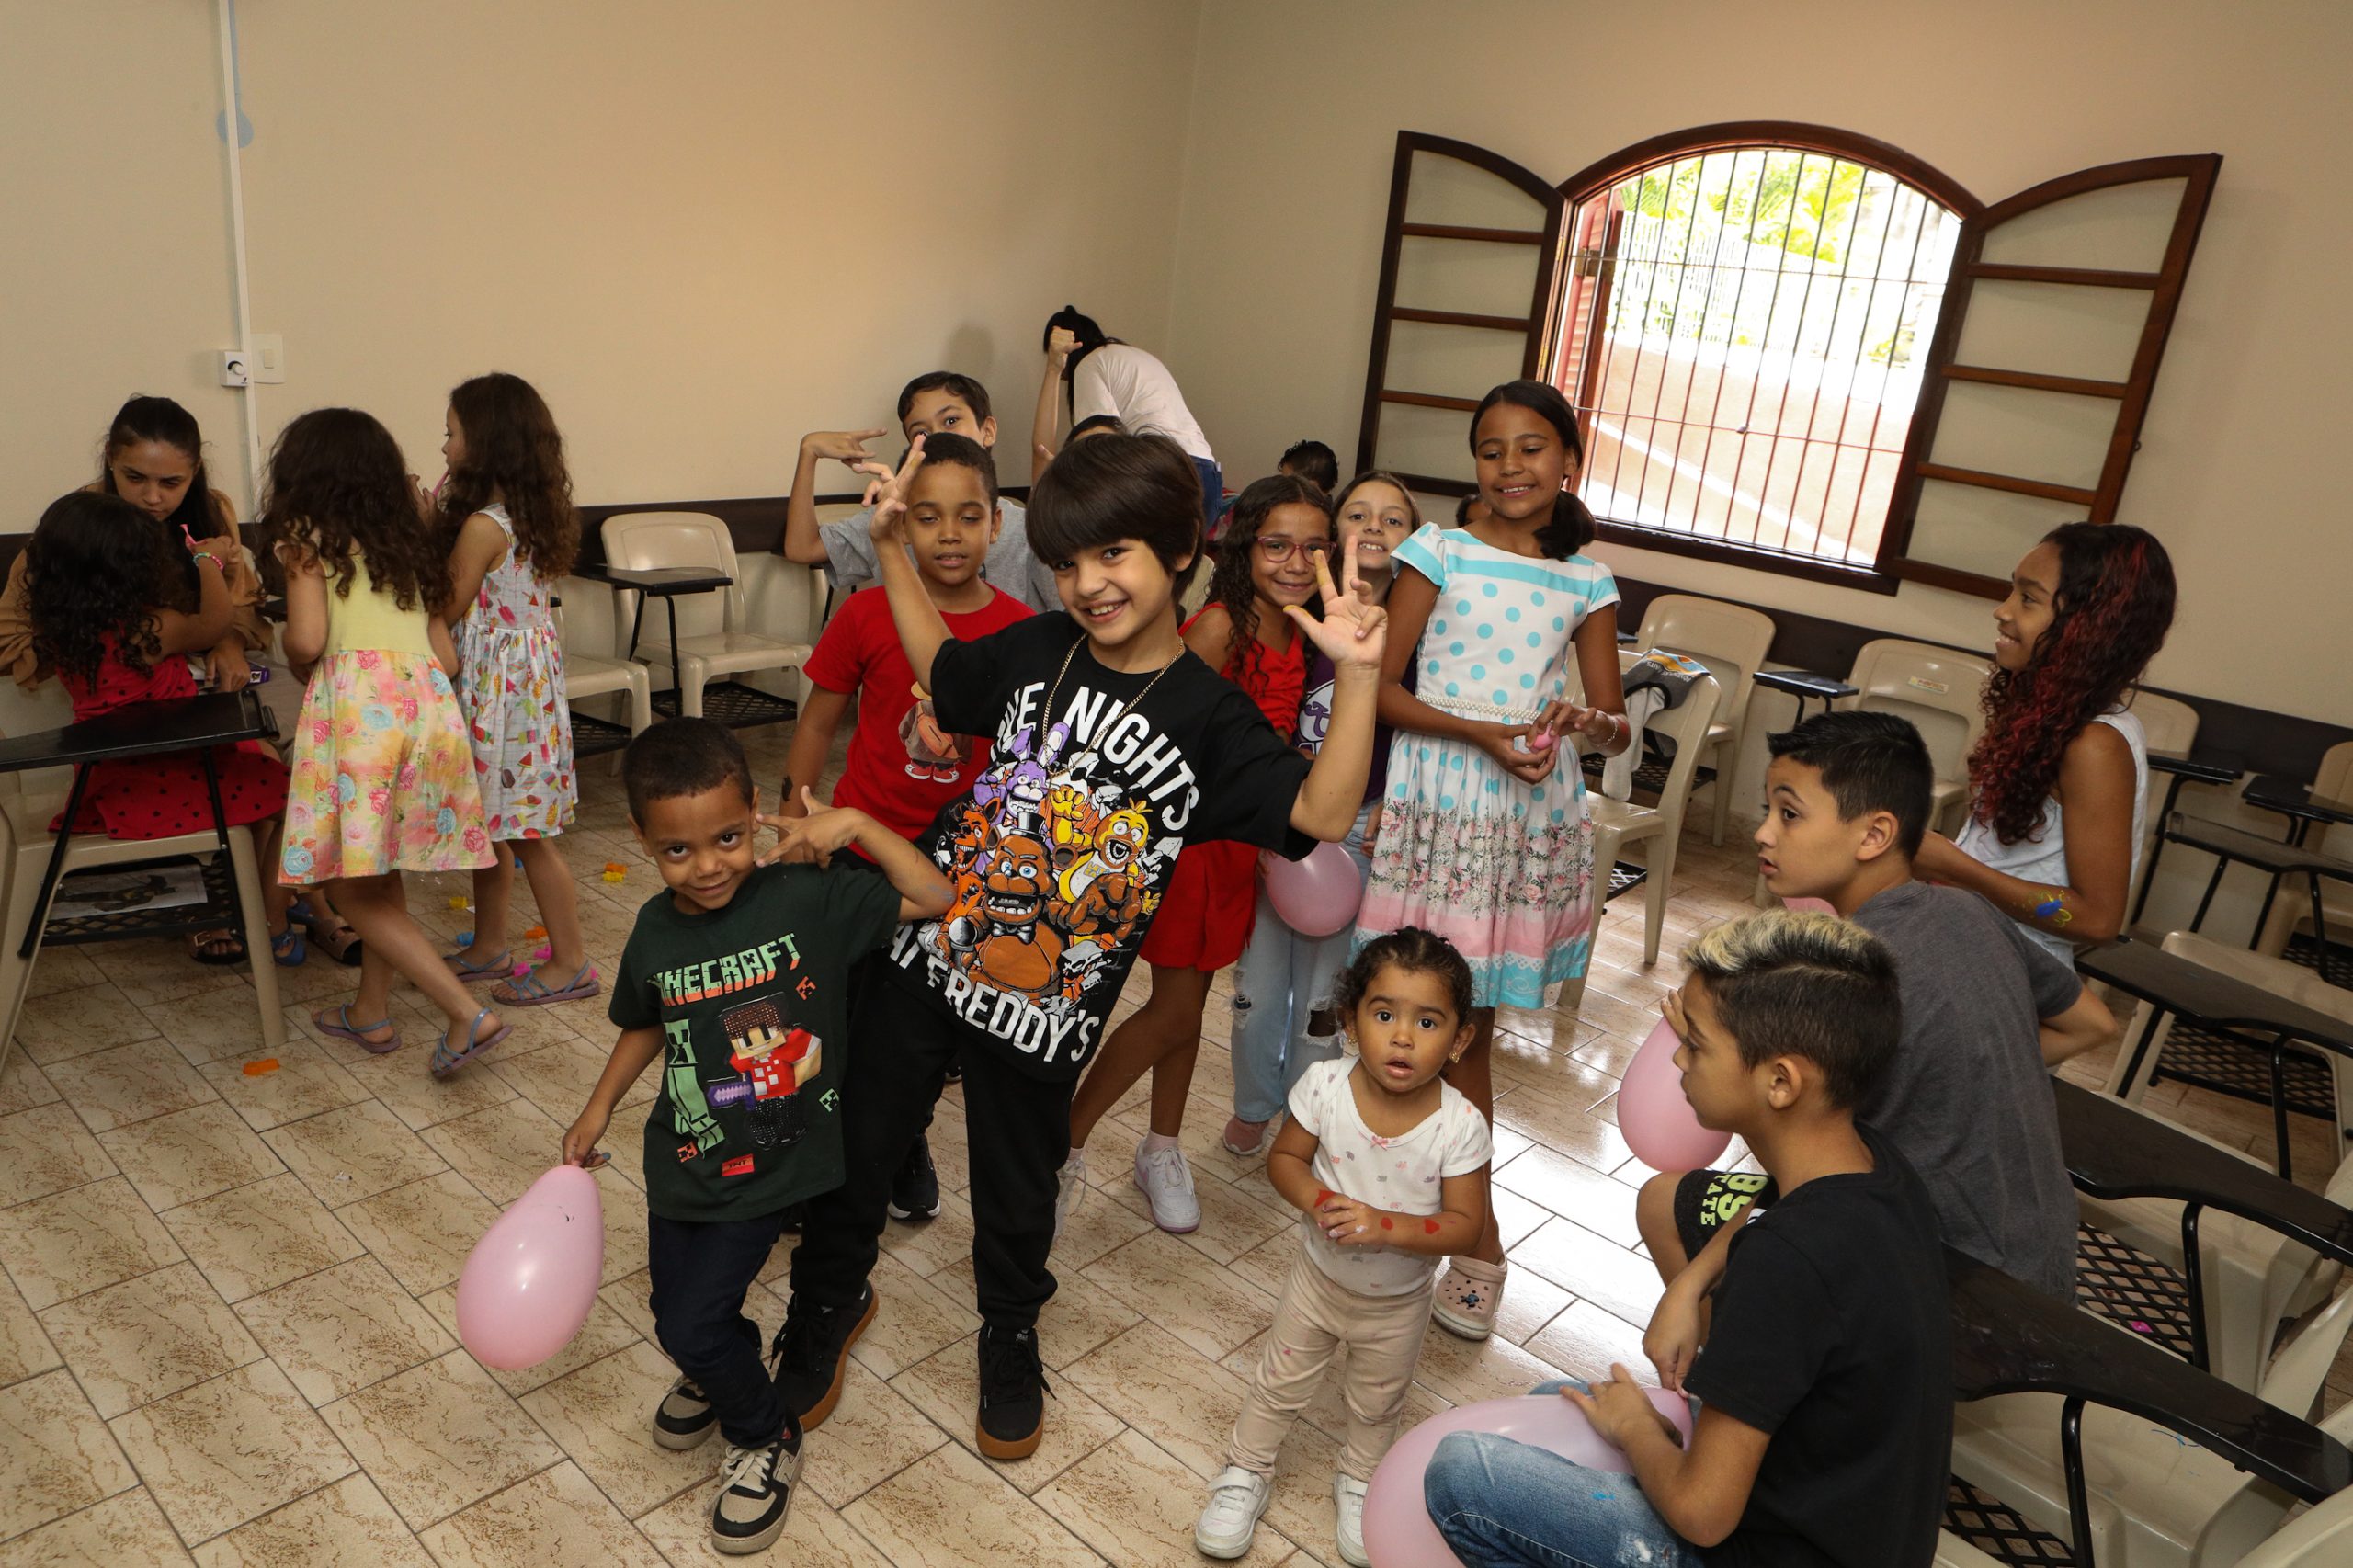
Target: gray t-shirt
column 850, row 551
column 1967, row 1098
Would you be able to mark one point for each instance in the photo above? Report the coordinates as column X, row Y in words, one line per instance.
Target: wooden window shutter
column 1469, row 268
column 2038, row 380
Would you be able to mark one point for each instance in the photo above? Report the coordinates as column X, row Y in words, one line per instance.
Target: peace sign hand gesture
column 1352, row 632
column 887, row 494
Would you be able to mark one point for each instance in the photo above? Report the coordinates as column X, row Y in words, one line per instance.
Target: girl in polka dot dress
column 1484, row 837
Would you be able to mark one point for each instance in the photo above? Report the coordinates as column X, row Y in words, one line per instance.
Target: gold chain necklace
column 1124, row 709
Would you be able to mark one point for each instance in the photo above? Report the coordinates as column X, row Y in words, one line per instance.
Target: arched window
column 1789, row 346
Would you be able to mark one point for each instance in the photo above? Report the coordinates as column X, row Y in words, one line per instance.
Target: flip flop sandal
column 219, row 936
column 462, row 965
column 336, row 937
column 445, row 1062
column 531, row 991
column 287, row 948
column 344, row 1029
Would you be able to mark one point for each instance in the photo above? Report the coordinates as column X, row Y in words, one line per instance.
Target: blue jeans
column 1502, row 1503
column 1212, row 491
column 702, row 1269
column 1284, row 977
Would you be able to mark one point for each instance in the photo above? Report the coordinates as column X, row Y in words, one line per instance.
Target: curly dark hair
column 340, row 490
column 1414, row 950
column 2109, row 617
column 93, row 571
column 1230, row 582
column 513, row 449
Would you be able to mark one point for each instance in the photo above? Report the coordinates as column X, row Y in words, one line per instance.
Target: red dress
column 1212, row 897
column 162, row 797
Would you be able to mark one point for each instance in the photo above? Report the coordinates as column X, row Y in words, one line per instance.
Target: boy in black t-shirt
column 737, row 977
column 1825, row 1425
column 1113, row 746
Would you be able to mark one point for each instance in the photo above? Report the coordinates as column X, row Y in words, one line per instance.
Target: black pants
column 702, row 1269
column 1019, row 1129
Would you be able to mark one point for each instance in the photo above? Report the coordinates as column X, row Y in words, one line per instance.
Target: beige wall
column 1296, row 103
column 701, row 228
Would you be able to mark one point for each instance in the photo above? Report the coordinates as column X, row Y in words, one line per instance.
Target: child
column 1310, row 460
column 508, row 505
column 1115, row 745
column 1479, row 841
column 2061, row 774
column 1966, row 1096
column 938, row 402
column 383, row 777
column 1370, row 1245
column 1282, row 1013
column 91, row 576
column 738, row 978
column 1269, row 558
column 894, row 773
column 1824, row 1424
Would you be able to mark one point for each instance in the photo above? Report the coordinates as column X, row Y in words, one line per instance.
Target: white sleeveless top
column 2042, row 856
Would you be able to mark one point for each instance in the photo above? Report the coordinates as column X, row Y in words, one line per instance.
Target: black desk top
column 2115, row 1151
column 144, row 729
column 2264, row 854
column 2205, row 770
column 1803, row 683
column 2274, row 793
column 2208, row 996
column 661, row 582
column 2008, row 1337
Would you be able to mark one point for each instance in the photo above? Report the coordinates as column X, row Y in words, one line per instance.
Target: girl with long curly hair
column 506, row 511
column 1266, row 560
column 383, row 776
column 2060, row 782
column 100, row 619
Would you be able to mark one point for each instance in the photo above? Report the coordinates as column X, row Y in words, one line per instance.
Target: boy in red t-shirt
column 901, row 769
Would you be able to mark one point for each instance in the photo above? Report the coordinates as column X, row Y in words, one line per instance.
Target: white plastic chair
column 1940, row 691
column 2321, row 1539
column 30, row 799
column 1730, row 640
column 711, row 639
column 1659, row 828
column 2290, row 914
column 586, row 675
column 2168, row 726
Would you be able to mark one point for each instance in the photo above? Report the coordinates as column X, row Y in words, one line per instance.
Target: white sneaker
column 1168, row 1184
column 1230, row 1521
column 1070, row 1189
column 1348, row 1507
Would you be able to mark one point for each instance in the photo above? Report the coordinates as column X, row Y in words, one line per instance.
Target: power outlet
column 268, row 368
column 236, row 370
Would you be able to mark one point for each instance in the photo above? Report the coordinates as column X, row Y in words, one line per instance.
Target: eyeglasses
column 1276, row 549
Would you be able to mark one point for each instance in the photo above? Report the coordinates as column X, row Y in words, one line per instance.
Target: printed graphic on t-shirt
column 1314, row 718
column 772, row 1057
column 925, row 761
column 1058, row 861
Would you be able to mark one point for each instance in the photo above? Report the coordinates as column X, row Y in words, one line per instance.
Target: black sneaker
column 955, row 1073
column 1013, row 1394
column 915, row 1191
column 754, row 1495
column 795, row 1217
column 811, row 1354
column 684, row 1419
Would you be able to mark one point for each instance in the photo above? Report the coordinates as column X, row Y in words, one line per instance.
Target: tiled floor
column 227, row 1330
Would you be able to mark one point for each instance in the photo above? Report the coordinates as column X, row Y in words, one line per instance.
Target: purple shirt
column 1315, row 717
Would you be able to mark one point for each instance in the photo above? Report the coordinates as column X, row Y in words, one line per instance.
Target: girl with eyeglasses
column 1280, row 529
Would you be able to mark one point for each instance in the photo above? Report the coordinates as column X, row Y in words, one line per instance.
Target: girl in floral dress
column 384, row 780
column 506, row 508
column 1484, row 836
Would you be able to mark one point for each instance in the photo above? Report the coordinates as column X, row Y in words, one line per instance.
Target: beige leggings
column 1316, row 1318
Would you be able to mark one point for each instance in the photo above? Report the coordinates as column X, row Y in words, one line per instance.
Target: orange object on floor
column 256, row 1069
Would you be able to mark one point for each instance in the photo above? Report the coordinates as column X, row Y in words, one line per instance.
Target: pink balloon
column 531, row 1280
column 1656, row 1119
column 1317, row 896
column 1397, row 1528
column 1809, row 905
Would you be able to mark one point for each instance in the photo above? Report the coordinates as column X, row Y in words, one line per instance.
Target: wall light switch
column 268, row 358
column 236, row 370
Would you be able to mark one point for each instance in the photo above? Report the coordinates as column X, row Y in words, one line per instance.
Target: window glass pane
column 2120, row 229
column 1473, row 275
column 2057, row 438
column 1452, row 361
column 1986, row 532
column 1448, row 190
column 2057, row 329
column 1432, row 441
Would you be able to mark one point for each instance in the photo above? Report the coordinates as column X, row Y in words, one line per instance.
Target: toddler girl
column 384, row 778
column 1388, row 1163
column 506, row 508
column 1282, row 1009
column 1266, row 560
